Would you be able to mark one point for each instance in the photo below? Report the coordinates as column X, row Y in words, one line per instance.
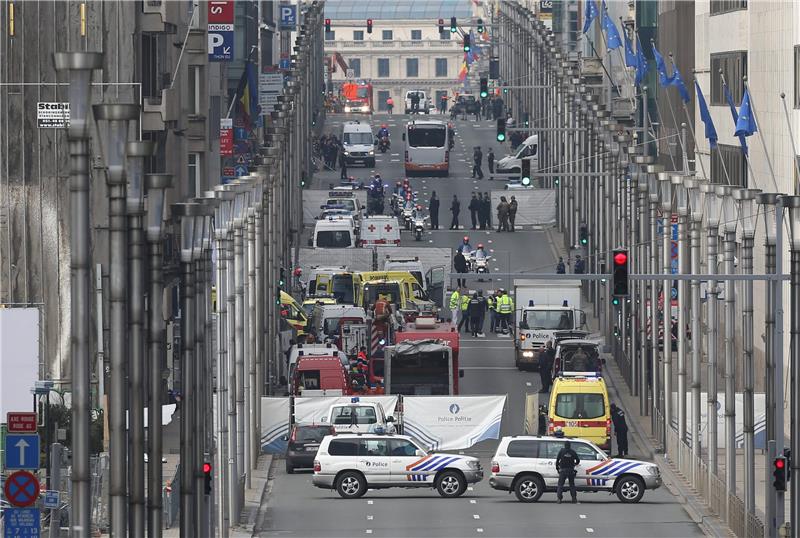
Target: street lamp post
column 79, row 66
column 682, row 208
column 113, row 122
column 653, row 196
column 697, row 199
column 665, row 184
column 156, row 186
column 712, row 219
column 136, row 153
column 747, row 216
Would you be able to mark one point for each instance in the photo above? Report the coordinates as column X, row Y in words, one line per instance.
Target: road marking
column 368, row 531
column 394, row 154
column 370, row 502
column 589, row 530
column 470, row 488
column 475, row 516
column 582, row 516
column 528, row 383
column 370, row 518
column 479, row 529
column 473, row 501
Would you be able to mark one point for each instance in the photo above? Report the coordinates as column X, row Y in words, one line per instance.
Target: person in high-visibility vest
column 505, row 307
column 491, row 303
column 455, row 303
column 464, row 320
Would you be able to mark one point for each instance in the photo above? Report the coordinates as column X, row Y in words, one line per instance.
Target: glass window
column 412, row 67
column 401, row 447
column 330, row 36
column 386, row 35
column 310, row 434
column 427, row 137
column 358, row 35
column 195, row 166
column 416, row 35
column 586, row 452
column 580, row 406
column 383, row 95
column 441, row 67
column 734, row 66
column 735, row 165
column 343, row 447
column 523, row 449
column 549, row 449
column 333, row 239
column 383, row 67
column 548, row 319
column 724, row 6
column 445, row 36
column 309, row 379
column 355, row 65
column 373, row 447
column 351, row 139
column 350, row 415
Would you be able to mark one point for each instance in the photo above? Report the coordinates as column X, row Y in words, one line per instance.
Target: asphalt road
column 296, row 508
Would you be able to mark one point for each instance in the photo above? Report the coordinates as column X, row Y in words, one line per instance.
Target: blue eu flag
column 711, row 131
column 589, row 14
column 746, row 124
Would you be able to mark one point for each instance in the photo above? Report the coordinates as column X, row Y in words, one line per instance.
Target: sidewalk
column 639, row 429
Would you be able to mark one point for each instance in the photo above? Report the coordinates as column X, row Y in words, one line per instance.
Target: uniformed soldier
column 566, row 461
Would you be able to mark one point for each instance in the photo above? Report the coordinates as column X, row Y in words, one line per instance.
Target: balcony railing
column 412, row 44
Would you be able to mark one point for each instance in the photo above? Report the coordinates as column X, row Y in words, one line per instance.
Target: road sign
column 21, row 488
column 220, row 42
column 21, row 422
column 285, row 63
column 270, row 86
column 288, row 18
column 22, row 451
column 51, row 498
column 240, row 170
column 220, row 11
column 228, row 171
column 22, row 523
column 350, row 73
column 226, row 137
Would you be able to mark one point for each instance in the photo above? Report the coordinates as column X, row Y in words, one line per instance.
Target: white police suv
column 526, row 465
column 353, row 463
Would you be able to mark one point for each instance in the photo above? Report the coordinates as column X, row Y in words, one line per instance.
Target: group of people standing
column 468, row 312
column 329, row 147
column 480, row 210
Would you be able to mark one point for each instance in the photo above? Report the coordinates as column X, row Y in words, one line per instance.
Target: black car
column 302, row 444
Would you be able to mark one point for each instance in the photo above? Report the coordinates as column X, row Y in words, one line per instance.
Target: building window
column 355, row 65
column 734, row 163
column 383, row 95
column 724, row 6
column 386, row 35
column 358, row 35
column 330, row 36
column 383, row 67
column 416, row 35
column 734, row 67
column 412, row 67
column 195, row 174
column 441, row 67
column 797, row 76
column 445, row 36
column 195, row 85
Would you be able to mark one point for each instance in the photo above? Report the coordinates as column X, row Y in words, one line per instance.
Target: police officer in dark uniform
column 566, row 461
column 621, row 429
column 546, row 359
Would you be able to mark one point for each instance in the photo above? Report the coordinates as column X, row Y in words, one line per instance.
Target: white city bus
column 427, row 149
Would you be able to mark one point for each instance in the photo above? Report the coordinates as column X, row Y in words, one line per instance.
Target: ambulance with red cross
column 380, row 231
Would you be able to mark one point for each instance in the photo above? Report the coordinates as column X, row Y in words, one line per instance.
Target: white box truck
column 544, row 307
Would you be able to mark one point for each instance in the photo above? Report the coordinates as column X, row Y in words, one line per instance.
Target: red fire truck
column 357, row 97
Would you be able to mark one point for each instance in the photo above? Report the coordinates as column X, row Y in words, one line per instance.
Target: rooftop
column 398, row 10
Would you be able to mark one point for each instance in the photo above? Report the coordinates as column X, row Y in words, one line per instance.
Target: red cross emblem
column 371, row 227
column 388, row 228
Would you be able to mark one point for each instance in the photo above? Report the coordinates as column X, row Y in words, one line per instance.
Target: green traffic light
column 526, row 181
column 484, row 94
column 501, row 137
column 584, row 241
column 615, row 301
column 452, row 29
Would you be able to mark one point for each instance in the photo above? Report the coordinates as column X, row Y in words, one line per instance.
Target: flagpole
column 625, row 65
column 791, row 138
column 746, row 153
column 694, row 139
column 760, row 134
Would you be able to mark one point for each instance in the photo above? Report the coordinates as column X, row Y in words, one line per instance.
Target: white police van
column 353, row 463
column 526, row 465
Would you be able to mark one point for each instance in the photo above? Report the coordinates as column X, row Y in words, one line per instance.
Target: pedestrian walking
column 343, row 164
column 460, row 265
column 433, row 211
column 580, row 265
column 512, row 212
column 620, row 429
column 502, row 215
column 455, row 305
column 389, row 105
column 566, row 461
column 455, row 209
column 490, row 162
column 477, row 160
column 474, row 311
column 560, row 267
column 474, row 207
column 487, row 208
column 546, row 359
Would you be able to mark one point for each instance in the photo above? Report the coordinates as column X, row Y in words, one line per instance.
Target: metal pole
column 232, row 417
column 713, row 328
column 80, row 65
column 642, row 242
column 683, row 212
column 777, row 360
column 697, row 339
column 187, row 379
column 201, row 374
column 56, row 456
column 238, row 261
column 116, row 118
column 653, row 314
column 666, row 291
column 155, row 185
column 792, row 203
column 253, row 334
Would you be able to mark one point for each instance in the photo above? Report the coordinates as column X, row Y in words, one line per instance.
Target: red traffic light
column 328, row 22
column 206, row 468
column 780, row 463
column 620, row 258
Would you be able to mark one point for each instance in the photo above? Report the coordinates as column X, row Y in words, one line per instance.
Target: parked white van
column 512, row 164
column 380, row 231
column 334, row 232
column 358, row 142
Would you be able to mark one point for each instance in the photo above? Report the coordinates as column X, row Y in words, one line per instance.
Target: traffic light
column 494, row 68
column 369, row 26
column 453, row 25
column 282, row 278
column 501, row 129
column 779, row 473
column 526, row 172
column 484, row 87
column 277, row 296
column 441, row 26
column 526, row 119
column 583, row 235
column 619, row 274
column 328, row 25
column 466, row 43
column 480, row 26
column 207, row 477
column 505, row 90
